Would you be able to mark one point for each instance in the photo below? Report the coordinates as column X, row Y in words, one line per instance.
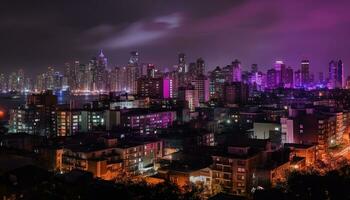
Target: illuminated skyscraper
column 99, row 67
column 233, row 72
column 332, row 74
column 297, row 79
column 134, row 58
column 287, row 77
column 237, row 71
column 50, row 78
column 216, row 85
column 305, row 73
column 271, row 79
column 131, row 75
column 182, row 67
column 190, row 95
column 173, row 83
column 279, row 68
column 20, row 80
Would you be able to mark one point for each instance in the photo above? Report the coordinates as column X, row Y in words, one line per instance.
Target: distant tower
column 182, row 67
column 297, row 79
column 305, row 72
column 236, row 71
column 340, row 74
column 134, row 58
column 279, row 68
column 102, row 60
column 200, row 66
column 271, row 78
column 332, row 74
column 254, row 68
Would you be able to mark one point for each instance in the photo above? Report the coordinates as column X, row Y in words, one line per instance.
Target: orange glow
column 2, row 114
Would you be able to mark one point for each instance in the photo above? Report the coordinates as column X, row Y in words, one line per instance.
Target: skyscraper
column 182, row 67
column 134, row 58
column 271, row 79
column 190, row 95
column 305, row 72
column 237, row 71
column 279, row 68
column 287, row 77
column 297, row 79
column 131, row 77
column 332, row 74
column 216, row 85
column 200, row 67
column 340, row 74
column 3, row 85
column 201, row 84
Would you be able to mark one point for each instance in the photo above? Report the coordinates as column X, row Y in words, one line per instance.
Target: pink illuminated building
column 190, row 95
column 145, row 122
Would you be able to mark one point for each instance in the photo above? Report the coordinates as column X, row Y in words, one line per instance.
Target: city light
column 216, row 101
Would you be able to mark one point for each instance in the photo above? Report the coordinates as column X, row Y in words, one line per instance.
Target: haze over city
column 36, row 34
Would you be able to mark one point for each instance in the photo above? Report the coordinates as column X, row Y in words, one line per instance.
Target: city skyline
column 266, row 31
column 246, row 66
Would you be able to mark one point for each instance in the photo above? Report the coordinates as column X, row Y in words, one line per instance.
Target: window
column 240, row 184
column 240, row 169
column 240, row 177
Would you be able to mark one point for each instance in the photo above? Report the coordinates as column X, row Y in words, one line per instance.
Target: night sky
column 35, row 34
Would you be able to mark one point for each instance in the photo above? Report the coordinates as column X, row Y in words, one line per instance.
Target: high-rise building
column 20, row 80
column 200, row 66
column 173, row 83
column 340, row 74
column 305, row 73
column 38, row 116
column 332, row 72
column 216, row 85
column 134, row 58
column 28, row 86
column 279, row 69
column 201, row 84
column 237, row 71
column 236, row 93
column 287, row 77
column 190, row 95
column 233, row 72
column 271, row 82
column 297, row 79
column 153, row 87
column 182, row 67
column 256, row 81
column 131, row 76
column 99, row 72
column 3, row 85
column 50, row 78
column 12, row 82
